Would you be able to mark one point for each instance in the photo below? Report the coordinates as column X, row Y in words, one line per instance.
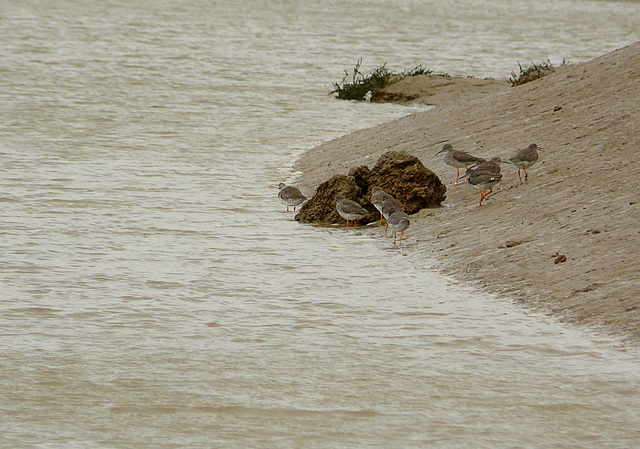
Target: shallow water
column 154, row 291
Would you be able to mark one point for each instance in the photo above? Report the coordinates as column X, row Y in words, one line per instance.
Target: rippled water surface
column 154, row 292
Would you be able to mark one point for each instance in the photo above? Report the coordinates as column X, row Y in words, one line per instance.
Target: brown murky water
column 154, row 293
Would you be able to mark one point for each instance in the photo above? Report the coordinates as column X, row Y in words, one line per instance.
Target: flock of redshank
column 480, row 173
column 484, row 174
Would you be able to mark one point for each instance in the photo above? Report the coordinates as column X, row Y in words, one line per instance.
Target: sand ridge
column 582, row 199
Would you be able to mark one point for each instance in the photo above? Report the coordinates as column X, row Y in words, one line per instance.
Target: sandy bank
column 582, row 198
column 442, row 89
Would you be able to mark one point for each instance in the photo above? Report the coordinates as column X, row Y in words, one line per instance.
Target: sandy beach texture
column 582, row 199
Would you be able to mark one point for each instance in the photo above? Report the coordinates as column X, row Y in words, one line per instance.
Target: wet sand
column 582, row 199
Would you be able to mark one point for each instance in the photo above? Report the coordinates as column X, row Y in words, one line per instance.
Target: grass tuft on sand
column 358, row 86
column 533, row 72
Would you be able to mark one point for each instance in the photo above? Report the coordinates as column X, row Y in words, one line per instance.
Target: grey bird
column 398, row 221
column 377, row 196
column 524, row 159
column 350, row 210
column 290, row 196
column 482, row 180
column 491, row 166
column 458, row 159
column 387, row 206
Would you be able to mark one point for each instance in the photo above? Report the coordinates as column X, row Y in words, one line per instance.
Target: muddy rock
column 397, row 172
column 361, row 175
column 321, row 208
column 406, row 178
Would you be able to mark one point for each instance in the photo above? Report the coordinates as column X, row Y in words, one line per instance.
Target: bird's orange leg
column 457, row 176
column 519, row 176
column 526, row 175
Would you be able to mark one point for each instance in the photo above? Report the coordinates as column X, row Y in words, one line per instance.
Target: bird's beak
column 439, row 152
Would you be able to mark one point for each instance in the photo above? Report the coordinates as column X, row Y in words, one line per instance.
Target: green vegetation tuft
column 534, row 72
column 358, row 85
column 419, row 70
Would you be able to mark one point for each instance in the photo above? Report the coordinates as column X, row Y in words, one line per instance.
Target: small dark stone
column 557, row 108
column 560, row 259
column 512, row 243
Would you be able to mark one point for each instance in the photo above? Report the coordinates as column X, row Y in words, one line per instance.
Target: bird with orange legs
column 387, row 206
column 458, row 159
column 377, row 196
column 350, row 210
column 525, row 158
column 491, row 166
column 482, row 180
column 398, row 221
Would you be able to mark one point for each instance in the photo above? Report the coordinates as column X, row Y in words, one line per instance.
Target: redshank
column 458, row 159
column 350, row 210
column 290, row 196
column 482, row 180
column 377, row 196
column 524, row 159
column 398, row 221
column 387, row 206
column 491, row 166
